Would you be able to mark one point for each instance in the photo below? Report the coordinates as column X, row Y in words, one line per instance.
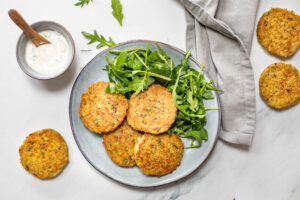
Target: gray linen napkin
column 220, row 32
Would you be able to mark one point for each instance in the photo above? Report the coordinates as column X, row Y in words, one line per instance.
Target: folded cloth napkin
column 220, row 34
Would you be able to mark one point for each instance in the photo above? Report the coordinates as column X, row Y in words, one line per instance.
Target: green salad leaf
column 134, row 70
column 117, row 10
column 96, row 38
column 81, row 3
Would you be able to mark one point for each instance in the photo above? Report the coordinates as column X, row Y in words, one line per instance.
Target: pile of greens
column 134, row 70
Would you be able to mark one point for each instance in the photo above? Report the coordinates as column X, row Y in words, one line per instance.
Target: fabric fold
column 226, row 59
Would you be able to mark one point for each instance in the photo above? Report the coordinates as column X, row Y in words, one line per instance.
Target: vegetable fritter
column 119, row 145
column 102, row 112
column 44, row 153
column 278, row 31
column 158, row 155
column 152, row 111
column 280, row 85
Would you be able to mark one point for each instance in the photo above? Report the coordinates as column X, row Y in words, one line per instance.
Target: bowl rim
column 167, row 182
column 35, row 25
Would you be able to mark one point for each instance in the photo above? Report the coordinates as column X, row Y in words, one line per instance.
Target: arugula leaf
column 161, row 68
column 140, row 83
column 110, row 74
column 81, row 3
column 117, row 10
column 134, row 63
column 120, row 61
column 208, row 95
column 95, row 38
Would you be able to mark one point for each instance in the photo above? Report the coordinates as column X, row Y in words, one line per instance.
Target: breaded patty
column 158, row 155
column 119, row 145
column 152, row 111
column 280, row 85
column 102, row 112
column 44, row 153
column 278, row 31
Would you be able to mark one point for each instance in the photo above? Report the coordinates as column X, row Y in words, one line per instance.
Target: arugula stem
column 164, row 59
column 209, row 86
column 185, row 59
column 146, row 56
column 202, row 64
column 187, row 75
column 152, row 74
column 140, row 59
column 144, row 80
column 171, row 66
column 117, row 52
column 193, row 146
column 212, row 109
column 200, row 72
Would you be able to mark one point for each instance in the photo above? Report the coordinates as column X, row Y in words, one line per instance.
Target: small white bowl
column 42, row 26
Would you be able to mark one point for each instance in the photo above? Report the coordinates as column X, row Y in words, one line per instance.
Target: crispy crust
column 102, row 112
column 278, row 31
column 44, row 153
column 152, row 111
column 158, row 155
column 119, row 145
column 280, row 85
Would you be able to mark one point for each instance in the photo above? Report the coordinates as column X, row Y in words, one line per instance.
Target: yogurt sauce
column 51, row 58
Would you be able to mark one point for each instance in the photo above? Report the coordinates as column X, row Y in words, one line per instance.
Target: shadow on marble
column 203, row 170
column 238, row 146
column 187, row 184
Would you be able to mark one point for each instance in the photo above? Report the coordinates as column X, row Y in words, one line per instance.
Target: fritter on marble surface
column 278, row 31
column 44, row 153
column 279, row 85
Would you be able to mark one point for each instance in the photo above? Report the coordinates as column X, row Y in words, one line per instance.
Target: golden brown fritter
column 102, row 112
column 119, row 145
column 280, row 85
column 158, row 155
column 278, row 31
column 44, row 153
column 152, row 111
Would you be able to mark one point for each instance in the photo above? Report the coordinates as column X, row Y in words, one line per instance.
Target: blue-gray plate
column 90, row 144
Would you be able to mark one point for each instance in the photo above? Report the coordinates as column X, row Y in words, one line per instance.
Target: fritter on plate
column 44, row 153
column 158, row 155
column 119, row 145
column 279, row 85
column 278, row 31
column 152, row 111
column 102, row 112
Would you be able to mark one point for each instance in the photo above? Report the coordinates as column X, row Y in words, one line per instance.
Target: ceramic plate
column 90, row 144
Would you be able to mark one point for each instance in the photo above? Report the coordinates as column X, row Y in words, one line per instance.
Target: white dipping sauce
column 51, row 58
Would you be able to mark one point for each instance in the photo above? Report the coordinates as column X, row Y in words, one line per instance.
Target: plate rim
column 169, row 181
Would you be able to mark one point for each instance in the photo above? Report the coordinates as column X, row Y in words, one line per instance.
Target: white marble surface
column 269, row 169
